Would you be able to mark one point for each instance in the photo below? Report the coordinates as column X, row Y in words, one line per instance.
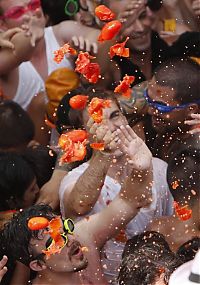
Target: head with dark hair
column 68, row 118
column 148, row 261
column 54, row 11
column 43, row 160
column 27, row 246
column 18, row 186
column 188, row 250
column 16, row 127
column 148, row 238
column 183, row 169
column 174, row 87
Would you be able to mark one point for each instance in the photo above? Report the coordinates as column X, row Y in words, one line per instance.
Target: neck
column 40, row 48
column 48, row 277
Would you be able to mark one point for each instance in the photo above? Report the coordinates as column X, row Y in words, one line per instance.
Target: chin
column 82, row 265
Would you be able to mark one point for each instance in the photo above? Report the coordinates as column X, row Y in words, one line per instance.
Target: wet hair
column 16, row 235
column 146, row 261
column 43, row 160
column 183, row 76
column 55, row 10
column 16, row 175
column 148, row 238
column 183, row 167
column 16, row 127
column 188, row 250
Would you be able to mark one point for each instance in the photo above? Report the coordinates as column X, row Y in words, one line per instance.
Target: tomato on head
column 78, row 102
column 38, row 223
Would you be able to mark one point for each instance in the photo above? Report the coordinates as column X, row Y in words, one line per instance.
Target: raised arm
column 135, row 193
column 81, row 195
column 24, row 44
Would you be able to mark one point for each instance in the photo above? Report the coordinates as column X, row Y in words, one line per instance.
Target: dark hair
column 16, row 127
column 16, row 175
column 183, row 76
column 66, row 116
column 148, row 238
column 16, row 235
column 55, row 10
column 188, row 250
column 43, row 160
column 183, row 167
column 70, row 117
column 147, row 260
column 154, row 5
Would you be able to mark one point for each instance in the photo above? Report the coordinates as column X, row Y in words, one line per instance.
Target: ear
column 192, row 108
column 37, row 265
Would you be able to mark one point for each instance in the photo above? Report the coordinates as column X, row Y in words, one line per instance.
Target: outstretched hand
column 139, row 156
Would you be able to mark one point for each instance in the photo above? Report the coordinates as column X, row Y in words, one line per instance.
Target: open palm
column 138, row 153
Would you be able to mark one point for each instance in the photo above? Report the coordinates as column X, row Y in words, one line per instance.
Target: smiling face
column 70, row 259
column 139, row 30
column 165, row 96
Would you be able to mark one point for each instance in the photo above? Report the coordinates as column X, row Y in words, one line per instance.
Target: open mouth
column 75, row 250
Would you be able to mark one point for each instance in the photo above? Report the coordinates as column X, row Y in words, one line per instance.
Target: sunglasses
column 164, row 108
column 68, row 227
column 18, row 11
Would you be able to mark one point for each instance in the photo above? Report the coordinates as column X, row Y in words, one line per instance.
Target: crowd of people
column 106, row 192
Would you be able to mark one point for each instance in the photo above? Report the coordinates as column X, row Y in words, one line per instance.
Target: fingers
column 195, row 131
column 192, row 122
column 84, row 44
column 7, row 44
column 3, row 261
column 10, row 33
column 3, row 268
column 196, row 116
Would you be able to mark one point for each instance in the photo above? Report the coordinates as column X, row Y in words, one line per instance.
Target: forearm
column 88, row 187
column 10, row 59
column 137, row 188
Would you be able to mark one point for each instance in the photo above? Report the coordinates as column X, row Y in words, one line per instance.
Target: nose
column 111, row 126
column 138, row 26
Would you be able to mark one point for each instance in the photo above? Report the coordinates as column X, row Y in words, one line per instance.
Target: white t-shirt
column 162, row 205
column 30, row 82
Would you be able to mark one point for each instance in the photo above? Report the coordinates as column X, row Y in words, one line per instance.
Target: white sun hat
column 188, row 273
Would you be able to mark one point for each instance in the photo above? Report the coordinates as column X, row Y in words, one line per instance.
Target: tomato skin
column 78, row 102
column 124, row 86
column 110, row 30
column 119, row 49
column 98, row 146
column 38, row 223
column 74, row 136
column 104, row 13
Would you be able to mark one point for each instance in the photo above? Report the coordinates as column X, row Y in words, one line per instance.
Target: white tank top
column 30, row 82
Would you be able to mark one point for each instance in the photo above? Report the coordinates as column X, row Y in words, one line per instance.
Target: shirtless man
column 93, row 232
column 184, row 182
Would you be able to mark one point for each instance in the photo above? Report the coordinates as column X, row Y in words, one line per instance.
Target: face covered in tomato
column 70, row 259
